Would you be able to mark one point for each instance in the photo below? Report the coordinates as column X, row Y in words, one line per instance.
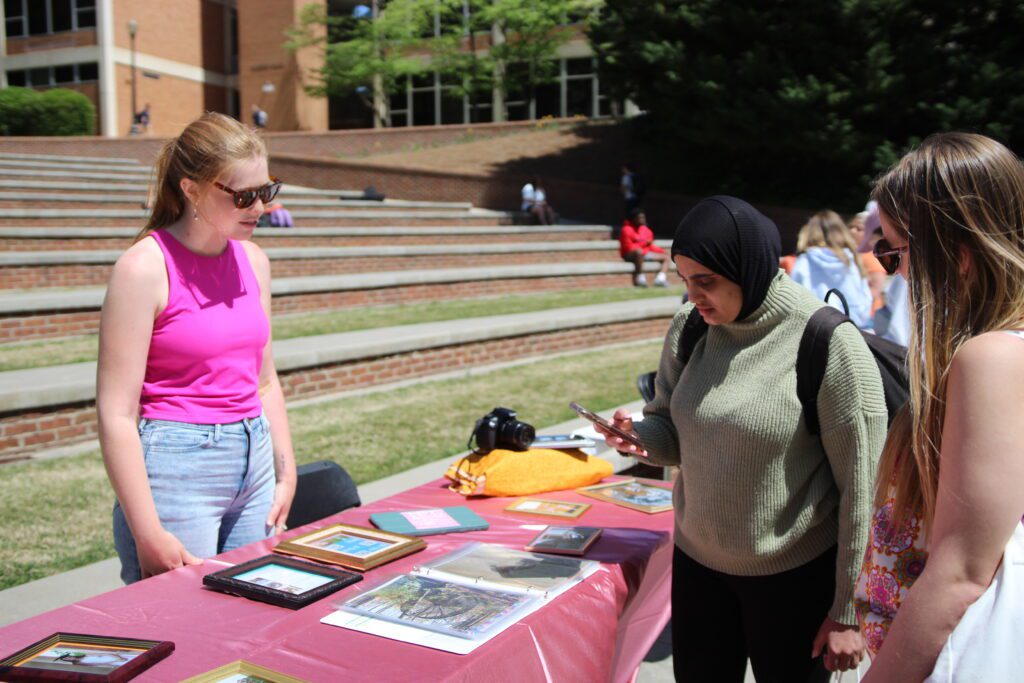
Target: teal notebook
column 429, row 521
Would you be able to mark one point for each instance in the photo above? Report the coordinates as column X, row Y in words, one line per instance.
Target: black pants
column 719, row 620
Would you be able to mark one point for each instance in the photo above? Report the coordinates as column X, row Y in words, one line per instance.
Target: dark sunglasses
column 245, row 198
column 888, row 256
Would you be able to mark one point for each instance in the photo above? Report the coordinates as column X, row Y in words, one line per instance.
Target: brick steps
column 51, row 313
column 24, row 270
column 22, row 199
column 103, row 161
column 47, row 407
column 28, row 217
column 82, row 238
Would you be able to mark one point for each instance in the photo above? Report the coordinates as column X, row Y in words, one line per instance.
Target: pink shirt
column 207, row 346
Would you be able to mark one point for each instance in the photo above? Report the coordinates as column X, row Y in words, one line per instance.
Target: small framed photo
column 350, row 546
column 281, row 581
column 564, row 540
column 633, row 494
column 83, row 658
column 243, row 672
column 551, row 508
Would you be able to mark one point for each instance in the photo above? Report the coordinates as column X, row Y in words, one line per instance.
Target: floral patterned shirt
column 893, row 561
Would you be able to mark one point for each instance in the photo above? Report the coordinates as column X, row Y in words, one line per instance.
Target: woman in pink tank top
column 192, row 419
column 951, row 478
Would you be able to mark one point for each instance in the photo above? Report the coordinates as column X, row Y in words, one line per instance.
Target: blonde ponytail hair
column 205, row 150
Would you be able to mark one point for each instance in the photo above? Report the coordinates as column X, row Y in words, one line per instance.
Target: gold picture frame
column 548, row 508
column 243, row 668
column 351, row 546
column 631, row 493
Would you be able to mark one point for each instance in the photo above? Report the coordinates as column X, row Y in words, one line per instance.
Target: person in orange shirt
column 865, row 239
column 636, row 245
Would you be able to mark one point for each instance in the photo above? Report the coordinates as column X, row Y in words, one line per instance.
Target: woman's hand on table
column 623, row 421
column 284, row 494
column 161, row 552
column 841, row 644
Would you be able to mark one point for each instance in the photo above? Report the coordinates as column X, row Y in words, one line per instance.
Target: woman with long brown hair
column 192, row 421
column 951, row 480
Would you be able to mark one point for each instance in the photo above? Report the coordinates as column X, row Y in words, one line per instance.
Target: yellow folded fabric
column 522, row 473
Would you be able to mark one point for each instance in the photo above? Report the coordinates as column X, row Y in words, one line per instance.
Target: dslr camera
column 500, row 429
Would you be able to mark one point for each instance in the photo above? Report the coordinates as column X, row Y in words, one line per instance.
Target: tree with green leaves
column 804, row 102
column 368, row 55
column 483, row 46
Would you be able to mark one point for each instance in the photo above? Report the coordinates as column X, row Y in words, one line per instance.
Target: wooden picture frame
column 83, row 658
column 564, row 540
column 281, row 581
column 243, row 668
column 548, row 508
column 351, row 546
column 631, row 493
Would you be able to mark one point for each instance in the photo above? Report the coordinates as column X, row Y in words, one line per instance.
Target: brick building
column 183, row 57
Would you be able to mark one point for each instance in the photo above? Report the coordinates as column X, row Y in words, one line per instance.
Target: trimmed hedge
column 59, row 111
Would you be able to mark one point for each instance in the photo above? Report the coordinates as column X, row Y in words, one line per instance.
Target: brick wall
column 89, row 274
column 266, row 241
column 52, row 325
column 26, row 431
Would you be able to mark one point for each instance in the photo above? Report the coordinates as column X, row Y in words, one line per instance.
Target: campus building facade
column 184, row 57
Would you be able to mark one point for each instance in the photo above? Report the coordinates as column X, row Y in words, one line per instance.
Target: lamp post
column 133, row 28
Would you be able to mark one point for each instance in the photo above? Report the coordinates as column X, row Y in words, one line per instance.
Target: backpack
column 812, row 359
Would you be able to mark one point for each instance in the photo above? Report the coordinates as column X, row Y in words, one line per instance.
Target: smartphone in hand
column 598, row 420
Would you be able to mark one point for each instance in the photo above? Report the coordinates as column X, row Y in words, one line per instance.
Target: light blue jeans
column 213, row 486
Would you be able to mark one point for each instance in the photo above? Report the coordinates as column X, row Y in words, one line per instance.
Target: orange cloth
column 513, row 473
column 787, row 262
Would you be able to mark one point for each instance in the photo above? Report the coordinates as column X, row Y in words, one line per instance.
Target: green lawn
column 80, row 349
column 55, row 514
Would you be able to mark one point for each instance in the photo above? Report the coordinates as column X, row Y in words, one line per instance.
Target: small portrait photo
column 95, row 659
column 282, row 578
column 564, row 540
column 552, row 508
column 632, row 493
column 349, row 544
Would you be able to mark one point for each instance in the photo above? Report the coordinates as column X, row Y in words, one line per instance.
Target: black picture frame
column 17, row 667
column 225, row 581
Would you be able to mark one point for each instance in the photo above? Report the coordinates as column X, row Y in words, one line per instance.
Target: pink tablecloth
column 598, row 631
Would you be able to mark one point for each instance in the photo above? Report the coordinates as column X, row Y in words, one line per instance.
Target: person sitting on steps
column 636, row 245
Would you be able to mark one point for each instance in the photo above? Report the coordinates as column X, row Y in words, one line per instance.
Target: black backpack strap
column 812, row 359
column 693, row 329
column 842, row 299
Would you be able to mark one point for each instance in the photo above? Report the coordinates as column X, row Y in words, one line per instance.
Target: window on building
column 40, row 17
column 17, row 78
column 47, row 76
column 548, row 100
column 90, row 71
column 60, row 16
column 14, row 16
column 86, row 13
column 579, row 97
column 581, row 66
column 64, row 74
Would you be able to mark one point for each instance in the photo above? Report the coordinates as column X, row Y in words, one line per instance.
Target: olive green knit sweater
column 757, row 494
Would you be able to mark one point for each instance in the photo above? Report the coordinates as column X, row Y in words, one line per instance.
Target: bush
column 65, row 112
column 17, row 110
column 60, row 111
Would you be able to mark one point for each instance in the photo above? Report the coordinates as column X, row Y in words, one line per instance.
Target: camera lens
column 517, row 435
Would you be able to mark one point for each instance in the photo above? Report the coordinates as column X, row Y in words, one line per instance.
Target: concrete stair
column 65, row 220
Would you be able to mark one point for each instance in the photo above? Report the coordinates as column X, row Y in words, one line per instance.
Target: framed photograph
column 551, row 508
column 243, row 672
column 350, row 546
column 632, row 494
column 84, row 658
column 281, row 581
column 564, row 540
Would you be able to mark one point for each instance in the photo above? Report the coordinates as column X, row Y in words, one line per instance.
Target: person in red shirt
column 636, row 245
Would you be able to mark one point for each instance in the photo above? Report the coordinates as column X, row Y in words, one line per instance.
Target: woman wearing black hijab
column 771, row 520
